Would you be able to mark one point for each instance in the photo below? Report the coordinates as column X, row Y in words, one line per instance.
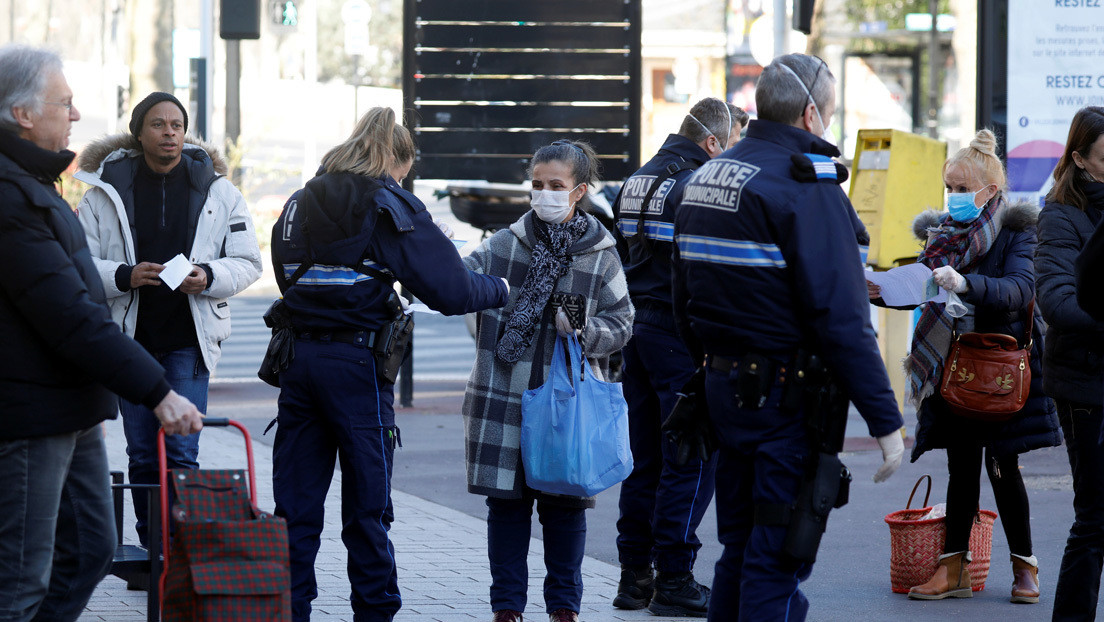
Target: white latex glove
column 443, row 226
column 893, row 449
column 405, row 305
column 178, row 415
column 563, row 325
column 507, row 284
column 949, row 279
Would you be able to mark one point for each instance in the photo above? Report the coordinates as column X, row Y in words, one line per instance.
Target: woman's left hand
column 949, row 279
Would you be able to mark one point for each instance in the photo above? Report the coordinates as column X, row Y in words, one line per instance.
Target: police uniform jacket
column 648, row 270
column 359, row 233
column 767, row 262
column 1000, row 290
column 61, row 358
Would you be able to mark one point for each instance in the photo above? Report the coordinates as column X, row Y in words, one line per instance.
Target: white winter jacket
column 224, row 239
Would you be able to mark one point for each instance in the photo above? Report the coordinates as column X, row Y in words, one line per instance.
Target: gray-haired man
column 61, row 361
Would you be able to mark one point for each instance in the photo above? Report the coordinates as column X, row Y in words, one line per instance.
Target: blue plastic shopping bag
column 574, row 429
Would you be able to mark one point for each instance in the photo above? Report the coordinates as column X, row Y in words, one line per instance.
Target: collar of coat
column 93, row 156
column 1018, row 217
column 595, row 238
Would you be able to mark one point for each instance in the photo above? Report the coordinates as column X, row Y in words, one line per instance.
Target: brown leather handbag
column 987, row 376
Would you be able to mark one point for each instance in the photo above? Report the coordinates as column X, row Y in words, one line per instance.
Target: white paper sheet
column 905, row 285
column 176, row 270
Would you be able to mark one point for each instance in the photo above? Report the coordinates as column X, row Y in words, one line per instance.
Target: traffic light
column 803, row 15
column 240, row 19
column 285, row 13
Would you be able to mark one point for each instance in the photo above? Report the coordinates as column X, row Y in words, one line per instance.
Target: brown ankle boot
column 951, row 579
column 1025, row 579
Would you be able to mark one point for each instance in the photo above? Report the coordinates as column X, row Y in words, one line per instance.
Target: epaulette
column 812, row 167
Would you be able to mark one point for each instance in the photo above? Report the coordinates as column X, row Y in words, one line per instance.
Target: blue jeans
column 661, row 503
column 509, row 524
column 332, row 407
column 188, row 376
column 1079, row 578
column 59, row 520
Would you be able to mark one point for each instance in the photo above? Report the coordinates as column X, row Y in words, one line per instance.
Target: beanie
column 138, row 116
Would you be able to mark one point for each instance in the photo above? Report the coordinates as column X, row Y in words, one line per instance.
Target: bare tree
column 151, row 35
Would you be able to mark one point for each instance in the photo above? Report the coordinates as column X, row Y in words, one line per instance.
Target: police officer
column 662, row 502
column 767, row 269
column 338, row 248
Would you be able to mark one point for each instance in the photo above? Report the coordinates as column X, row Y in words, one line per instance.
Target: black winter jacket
column 1073, row 364
column 1000, row 291
column 61, row 356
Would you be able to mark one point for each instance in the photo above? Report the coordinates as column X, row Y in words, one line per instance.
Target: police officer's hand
column 949, row 279
column 893, row 449
column 443, row 226
column 145, row 273
column 688, row 425
column 195, row 282
column 873, row 291
column 178, row 415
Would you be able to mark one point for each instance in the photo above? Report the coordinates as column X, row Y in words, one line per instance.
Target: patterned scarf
column 548, row 263
column 962, row 248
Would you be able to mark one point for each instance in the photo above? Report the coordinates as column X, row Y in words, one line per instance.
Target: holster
column 828, row 486
column 391, row 346
column 281, row 346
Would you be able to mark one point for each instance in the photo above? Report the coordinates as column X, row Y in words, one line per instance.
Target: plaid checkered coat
column 492, row 402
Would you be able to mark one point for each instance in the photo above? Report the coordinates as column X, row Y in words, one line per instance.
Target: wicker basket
column 915, row 544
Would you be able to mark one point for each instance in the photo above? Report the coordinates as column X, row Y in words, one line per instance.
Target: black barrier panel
column 521, row 63
column 487, row 142
column 502, row 170
column 521, row 90
column 522, row 10
column 573, row 37
column 573, row 117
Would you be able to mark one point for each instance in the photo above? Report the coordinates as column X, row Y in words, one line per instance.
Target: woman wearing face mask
column 555, row 248
column 1074, row 360
column 981, row 250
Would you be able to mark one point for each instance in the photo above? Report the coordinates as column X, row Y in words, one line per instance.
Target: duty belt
column 363, row 338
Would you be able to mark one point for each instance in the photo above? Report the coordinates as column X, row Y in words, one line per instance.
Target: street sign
column 356, row 14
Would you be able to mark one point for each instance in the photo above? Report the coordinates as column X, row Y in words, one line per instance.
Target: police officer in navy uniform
column 662, row 502
column 767, row 268
column 338, row 248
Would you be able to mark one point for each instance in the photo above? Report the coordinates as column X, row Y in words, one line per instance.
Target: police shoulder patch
column 813, row 167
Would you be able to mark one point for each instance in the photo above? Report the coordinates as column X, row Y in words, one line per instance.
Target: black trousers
column 964, row 489
column 1079, row 578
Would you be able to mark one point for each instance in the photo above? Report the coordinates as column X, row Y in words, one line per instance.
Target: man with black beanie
column 156, row 195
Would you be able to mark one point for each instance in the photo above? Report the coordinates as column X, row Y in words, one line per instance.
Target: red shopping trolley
column 226, row 560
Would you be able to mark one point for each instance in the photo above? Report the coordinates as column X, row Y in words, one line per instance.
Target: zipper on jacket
column 163, row 177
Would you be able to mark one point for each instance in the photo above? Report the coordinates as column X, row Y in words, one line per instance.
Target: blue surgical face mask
column 962, row 206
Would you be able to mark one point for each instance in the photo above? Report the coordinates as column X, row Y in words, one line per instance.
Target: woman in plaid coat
column 553, row 249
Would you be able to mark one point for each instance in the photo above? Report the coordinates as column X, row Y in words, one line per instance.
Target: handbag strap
column 908, row 506
column 1029, row 339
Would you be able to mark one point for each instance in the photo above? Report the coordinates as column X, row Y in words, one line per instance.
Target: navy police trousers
column 332, row 407
column 760, row 460
column 661, row 503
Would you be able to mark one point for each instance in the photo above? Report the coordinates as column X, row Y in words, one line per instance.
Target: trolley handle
column 163, row 480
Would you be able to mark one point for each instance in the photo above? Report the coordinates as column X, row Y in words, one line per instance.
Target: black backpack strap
column 672, row 169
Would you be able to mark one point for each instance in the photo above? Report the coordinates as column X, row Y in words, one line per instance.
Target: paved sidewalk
column 441, row 554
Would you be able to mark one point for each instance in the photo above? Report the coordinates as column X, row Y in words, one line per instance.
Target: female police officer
column 339, row 246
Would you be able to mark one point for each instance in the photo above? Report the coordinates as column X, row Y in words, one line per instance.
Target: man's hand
column 893, row 449
column 145, row 273
column 178, row 415
column 195, row 282
column 873, row 291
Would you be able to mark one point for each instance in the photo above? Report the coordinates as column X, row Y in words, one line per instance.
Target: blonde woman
column 338, row 248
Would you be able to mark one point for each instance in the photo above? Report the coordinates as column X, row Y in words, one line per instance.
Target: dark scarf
column 962, row 247
column 547, row 264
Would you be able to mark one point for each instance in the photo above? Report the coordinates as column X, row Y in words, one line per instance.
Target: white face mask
column 552, row 206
